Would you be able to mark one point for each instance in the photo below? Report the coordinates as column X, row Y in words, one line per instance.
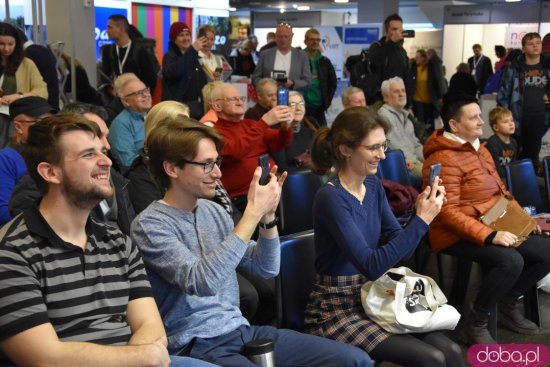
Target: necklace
column 359, row 196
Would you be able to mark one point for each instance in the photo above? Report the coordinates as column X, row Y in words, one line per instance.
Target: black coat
column 327, row 81
column 45, row 62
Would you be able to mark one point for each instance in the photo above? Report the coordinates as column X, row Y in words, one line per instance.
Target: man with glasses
column 127, row 129
column 353, row 97
column 318, row 95
column 288, row 65
column 191, row 249
column 401, row 134
column 246, row 140
column 24, row 112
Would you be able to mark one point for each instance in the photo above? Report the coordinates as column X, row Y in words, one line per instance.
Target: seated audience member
column 191, row 249
column 242, row 59
column 298, row 154
column 351, row 215
column 24, row 112
column 210, row 117
column 246, row 140
column 69, row 316
column 473, row 187
column 144, row 189
column 116, row 211
column 401, row 134
column 502, row 146
column 127, row 135
column 353, row 97
column 463, row 81
column 266, row 90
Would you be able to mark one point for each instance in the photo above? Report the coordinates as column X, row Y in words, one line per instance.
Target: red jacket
column 245, row 141
column 472, row 184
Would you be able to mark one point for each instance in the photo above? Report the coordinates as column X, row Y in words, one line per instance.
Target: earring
column 348, row 158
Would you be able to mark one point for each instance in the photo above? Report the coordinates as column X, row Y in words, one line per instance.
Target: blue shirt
column 126, row 136
column 12, row 168
column 347, row 233
column 191, row 259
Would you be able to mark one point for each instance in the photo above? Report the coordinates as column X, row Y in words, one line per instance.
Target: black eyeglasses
column 296, row 104
column 376, row 147
column 206, row 166
column 139, row 93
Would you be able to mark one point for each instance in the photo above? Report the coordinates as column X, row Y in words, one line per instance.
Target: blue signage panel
column 360, row 35
column 101, row 17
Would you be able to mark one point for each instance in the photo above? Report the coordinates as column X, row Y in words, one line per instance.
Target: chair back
column 296, row 279
column 296, row 205
column 394, row 167
column 546, row 165
column 522, row 183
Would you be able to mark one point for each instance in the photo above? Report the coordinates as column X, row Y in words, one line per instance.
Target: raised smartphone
column 282, row 97
column 202, row 33
column 435, row 170
column 263, row 161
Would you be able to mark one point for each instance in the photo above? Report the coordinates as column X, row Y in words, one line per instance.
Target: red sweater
column 245, row 141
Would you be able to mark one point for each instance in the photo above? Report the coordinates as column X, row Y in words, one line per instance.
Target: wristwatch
column 269, row 225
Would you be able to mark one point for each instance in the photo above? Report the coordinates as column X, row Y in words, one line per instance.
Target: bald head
column 228, row 102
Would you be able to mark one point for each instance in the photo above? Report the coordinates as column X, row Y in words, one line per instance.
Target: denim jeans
column 177, row 361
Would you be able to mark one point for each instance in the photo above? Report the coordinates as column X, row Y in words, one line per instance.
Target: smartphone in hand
column 263, row 161
column 435, row 170
column 282, row 97
column 202, row 33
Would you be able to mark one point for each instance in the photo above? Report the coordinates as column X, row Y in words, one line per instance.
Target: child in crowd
column 503, row 147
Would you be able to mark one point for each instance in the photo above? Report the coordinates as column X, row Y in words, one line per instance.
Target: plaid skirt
column 335, row 311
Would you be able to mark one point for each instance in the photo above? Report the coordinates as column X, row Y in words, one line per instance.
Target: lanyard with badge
column 475, row 63
column 121, row 63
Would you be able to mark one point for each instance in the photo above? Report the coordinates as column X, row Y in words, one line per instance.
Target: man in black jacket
column 389, row 59
column 318, row 96
column 124, row 56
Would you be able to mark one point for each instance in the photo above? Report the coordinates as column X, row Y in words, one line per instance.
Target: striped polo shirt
column 83, row 293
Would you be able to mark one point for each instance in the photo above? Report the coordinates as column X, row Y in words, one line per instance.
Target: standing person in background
column 389, row 59
column 211, row 64
column 284, row 58
column 242, row 60
column 524, row 90
column 270, row 39
column 427, row 89
column 125, row 56
column 319, row 94
column 183, row 75
column 481, row 67
column 500, row 52
column 462, row 81
column 44, row 60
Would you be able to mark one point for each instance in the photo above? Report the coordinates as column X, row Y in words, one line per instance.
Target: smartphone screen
column 435, row 170
column 263, row 161
column 282, row 97
column 202, row 33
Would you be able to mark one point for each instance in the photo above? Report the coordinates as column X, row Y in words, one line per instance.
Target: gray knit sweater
column 191, row 259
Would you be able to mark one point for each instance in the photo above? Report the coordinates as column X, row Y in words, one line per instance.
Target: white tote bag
column 402, row 301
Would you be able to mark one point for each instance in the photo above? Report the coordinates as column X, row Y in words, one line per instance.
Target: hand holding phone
column 263, row 161
column 202, row 33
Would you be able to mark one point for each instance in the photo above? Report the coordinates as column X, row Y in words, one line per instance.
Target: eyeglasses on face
column 139, row 93
column 314, row 39
column 206, row 166
column 296, row 104
column 285, row 25
column 377, row 147
column 232, row 99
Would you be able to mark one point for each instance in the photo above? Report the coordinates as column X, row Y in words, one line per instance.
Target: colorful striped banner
column 154, row 21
